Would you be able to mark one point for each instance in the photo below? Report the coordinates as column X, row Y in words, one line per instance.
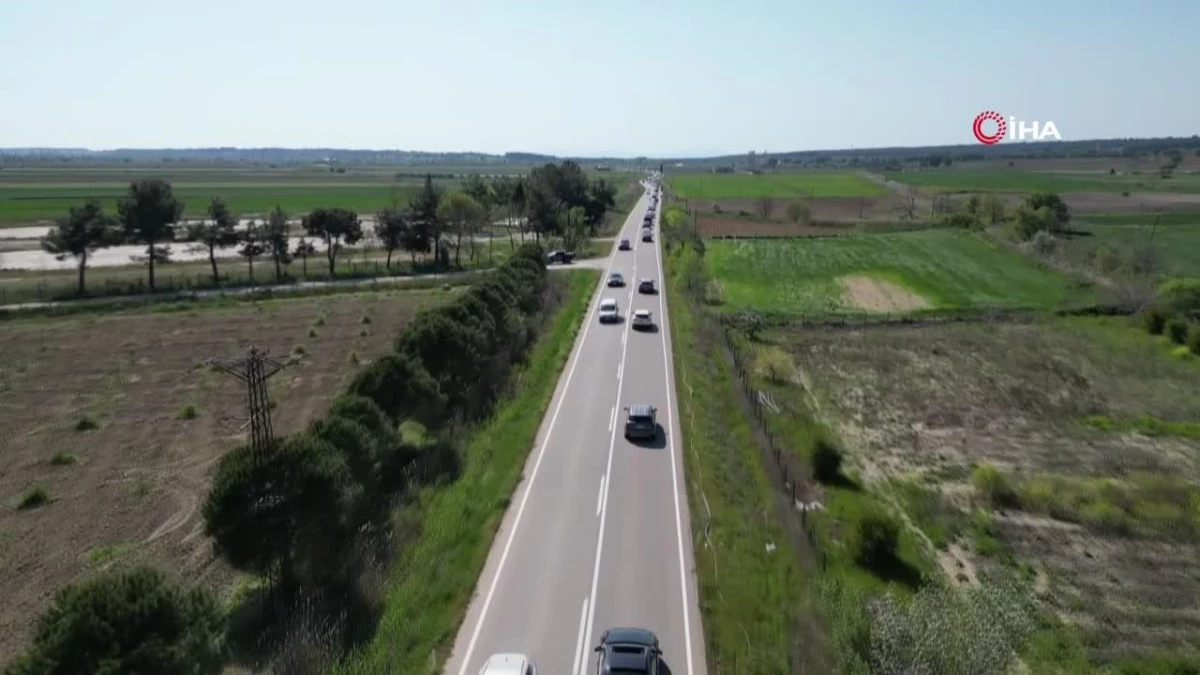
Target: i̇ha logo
column 990, row 128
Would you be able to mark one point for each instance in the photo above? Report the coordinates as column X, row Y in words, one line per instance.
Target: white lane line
column 620, row 369
column 512, row 535
column 579, row 660
column 668, row 366
column 612, row 418
column 612, row 442
column 600, row 497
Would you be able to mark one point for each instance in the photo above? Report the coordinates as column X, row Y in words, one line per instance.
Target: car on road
column 625, row 245
column 560, row 256
column 641, row 421
column 647, row 235
column 615, row 280
column 628, row 651
column 642, row 318
column 647, row 286
column 508, row 664
column 609, row 311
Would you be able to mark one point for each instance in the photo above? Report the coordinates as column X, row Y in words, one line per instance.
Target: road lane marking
column 579, row 660
column 600, row 497
column 668, row 365
column 612, row 442
column 620, row 368
column 612, row 417
column 487, row 602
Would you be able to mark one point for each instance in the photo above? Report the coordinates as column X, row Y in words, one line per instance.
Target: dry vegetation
column 1104, row 524
column 108, row 415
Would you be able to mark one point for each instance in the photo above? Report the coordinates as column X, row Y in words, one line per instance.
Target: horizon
column 671, row 80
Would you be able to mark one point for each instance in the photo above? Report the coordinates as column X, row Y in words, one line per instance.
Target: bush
column 875, row 538
column 34, row 497
column 1155, row 321
column 1181, row 296
column 1177, row 331
column 401, row 387
column 134, row 622
column 994, row 486
column 86, row 423
column 63, row 458
column 826, row 460
column 188, row 412
column 1193, row 341
column 1044, row 244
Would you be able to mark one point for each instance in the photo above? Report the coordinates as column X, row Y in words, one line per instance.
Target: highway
column 597, row 534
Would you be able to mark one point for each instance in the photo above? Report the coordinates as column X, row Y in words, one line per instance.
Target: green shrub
column 34, row 497
column 1155, row 321
column 365, row 319
column 826, row 460
column 299, row 350
column 994, row 486
column 133, row 622
column 875, row 538
column 312, row 332
column 1193, row 341
column 1181, row 296
column 352, row 357
column 1177, row 331
column 188, row 412
column 62, row 458
column 86, row 423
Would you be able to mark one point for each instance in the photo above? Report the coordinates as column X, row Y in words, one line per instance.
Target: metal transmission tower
column 254, row 369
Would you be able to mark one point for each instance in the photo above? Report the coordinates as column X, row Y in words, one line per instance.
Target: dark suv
column 641, row 422
column 563, row 257
column 628, row 650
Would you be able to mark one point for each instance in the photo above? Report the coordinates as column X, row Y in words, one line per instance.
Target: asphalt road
column 598, row 533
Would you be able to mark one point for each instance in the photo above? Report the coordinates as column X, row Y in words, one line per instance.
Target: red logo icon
column 1001, row 127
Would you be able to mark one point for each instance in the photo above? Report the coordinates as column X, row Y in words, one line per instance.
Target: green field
column 782, row 185
column 1176, row 238
column 950, row 269
column 1015, row 180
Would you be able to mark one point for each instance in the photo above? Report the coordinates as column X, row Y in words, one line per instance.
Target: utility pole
column 254, row 370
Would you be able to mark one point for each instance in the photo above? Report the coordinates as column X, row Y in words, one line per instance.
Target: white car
column 508, row 664
column 642, row 318
column 609, row 311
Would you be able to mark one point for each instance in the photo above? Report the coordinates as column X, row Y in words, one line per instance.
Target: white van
column 609, row 311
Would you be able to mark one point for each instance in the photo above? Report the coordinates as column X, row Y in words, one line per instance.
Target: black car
column 646, row 235
column 641, row 421
column 624, row 245
column 628, row 650
column 563, row 257
column 647, row 286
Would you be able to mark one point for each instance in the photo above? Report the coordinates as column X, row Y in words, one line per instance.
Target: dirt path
column 877, row 295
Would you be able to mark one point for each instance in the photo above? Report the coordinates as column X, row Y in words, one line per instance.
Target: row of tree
column 553, row 200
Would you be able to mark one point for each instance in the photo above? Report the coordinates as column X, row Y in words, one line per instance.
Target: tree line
column 300, row 513
column 553, row 200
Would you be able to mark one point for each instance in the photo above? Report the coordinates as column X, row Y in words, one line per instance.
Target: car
column 508, row 664
column 647, row 235
column 628, row 650
column 642, row 318
column 641, row 421
column 624, row 246
column 609, row 311
column 647, row 286
column 615, row 280
column 560, row 256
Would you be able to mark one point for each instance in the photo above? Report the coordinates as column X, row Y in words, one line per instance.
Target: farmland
column 1090, row 514
column 109, row 414
column 807, row 184
column 1016, row 180
column 892, row 272
column 1175, row 240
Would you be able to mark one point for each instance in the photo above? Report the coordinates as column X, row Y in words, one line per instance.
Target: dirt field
column 928, row 403
column 129, row 491
column 877, row 295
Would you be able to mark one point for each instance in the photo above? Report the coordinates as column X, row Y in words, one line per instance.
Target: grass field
column 1092, row 516
column 430, row 584
column 112, row 416
column 895, row 272
column 1176, row 239
column 1015, row 180
column 781, row 185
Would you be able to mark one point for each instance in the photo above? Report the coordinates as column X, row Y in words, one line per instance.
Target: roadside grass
column 1172, row 247
column 949, row 269
column 430, row 584
column 750, row 594
column 1017, row 180
column 784, row 185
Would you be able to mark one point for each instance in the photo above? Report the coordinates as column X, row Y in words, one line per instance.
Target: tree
column 85, row 229
column 219, row 231
column 1173, row 158
column 333, row 226
column 483, row 195
column 973, row 206
column 252, row 246
column 519, row 199
column 766, row 207
column 304, row 248
column 502, row 195
column 541, row 210
column 910, row 202
column 460, row 212
column 392, row 225
column 132, row 622
column 798, row 212
column 1042, row 212
column 426, row 227
column 993, row 209
column 574, row 227
column 149, row 211
column 602, row 196
column 275, row 239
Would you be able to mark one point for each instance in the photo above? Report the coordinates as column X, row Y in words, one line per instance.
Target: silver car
column 642, row 319
column 508, row 664
column 609, row 312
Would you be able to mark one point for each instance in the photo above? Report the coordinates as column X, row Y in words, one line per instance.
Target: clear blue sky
column 615, row 77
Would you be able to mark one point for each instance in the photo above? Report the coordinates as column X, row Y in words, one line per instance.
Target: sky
column 666, row 78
